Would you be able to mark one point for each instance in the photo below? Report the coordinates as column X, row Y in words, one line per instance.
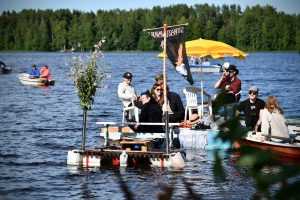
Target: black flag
column 175, row 48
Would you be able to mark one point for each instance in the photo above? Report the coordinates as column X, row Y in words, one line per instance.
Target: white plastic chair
column 131, row 109
column 192, row 102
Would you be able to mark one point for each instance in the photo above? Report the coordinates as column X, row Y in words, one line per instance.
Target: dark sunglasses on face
column 159, row 89
column 252, row 92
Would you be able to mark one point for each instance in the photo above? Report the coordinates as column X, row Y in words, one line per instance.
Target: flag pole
column 165, row 92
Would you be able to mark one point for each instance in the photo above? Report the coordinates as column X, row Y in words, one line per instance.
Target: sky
column 287, row 6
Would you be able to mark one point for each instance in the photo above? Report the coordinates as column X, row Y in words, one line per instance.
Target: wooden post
column 165, row 91
column 83, row 130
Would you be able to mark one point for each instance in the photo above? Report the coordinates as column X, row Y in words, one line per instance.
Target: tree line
column 256, row 28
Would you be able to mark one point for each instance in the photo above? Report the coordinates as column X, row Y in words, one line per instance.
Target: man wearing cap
column 251, row 107
column 125, row 90
column 229, row 82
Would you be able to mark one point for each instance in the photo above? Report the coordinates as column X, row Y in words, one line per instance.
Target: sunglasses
column 252, row 92
column 159, row 89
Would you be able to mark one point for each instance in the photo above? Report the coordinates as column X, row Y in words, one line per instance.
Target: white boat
column 26, row 79
column 198, row 65
column 206, row 68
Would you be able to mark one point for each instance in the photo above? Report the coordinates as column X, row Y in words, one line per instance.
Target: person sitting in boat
column 159, row 79
column 34, row 72
column 157, row 94
column 226, row 65
column 272, row 120
column 230, row 82
column 195, row 61
column 175, row 107
column 206, row 62
column 45, row 72
column 150, row 112
column 126, row 92
column 251, row 107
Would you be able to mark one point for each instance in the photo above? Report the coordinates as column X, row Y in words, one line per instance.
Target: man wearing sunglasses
column 229, row 82
column 251, row 108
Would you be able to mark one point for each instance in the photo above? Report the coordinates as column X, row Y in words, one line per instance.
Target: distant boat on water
column 4, row 68
column 63, row 50
column 26, row 79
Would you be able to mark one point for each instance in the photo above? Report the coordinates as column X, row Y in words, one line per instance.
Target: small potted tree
column 87, row 75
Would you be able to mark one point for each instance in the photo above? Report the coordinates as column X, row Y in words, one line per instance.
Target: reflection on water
column 40, row 124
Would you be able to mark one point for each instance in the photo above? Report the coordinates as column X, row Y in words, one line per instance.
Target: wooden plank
column 124, row 129
column 135, row 142
column 136, row 123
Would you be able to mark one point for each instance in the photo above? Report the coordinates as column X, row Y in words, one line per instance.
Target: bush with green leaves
column 87, row 75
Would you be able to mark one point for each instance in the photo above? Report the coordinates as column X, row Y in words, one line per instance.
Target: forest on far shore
column 256, row 28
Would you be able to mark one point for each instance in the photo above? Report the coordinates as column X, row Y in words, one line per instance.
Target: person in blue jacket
column 34, row 72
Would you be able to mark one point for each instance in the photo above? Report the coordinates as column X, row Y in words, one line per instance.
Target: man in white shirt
column 126, row 91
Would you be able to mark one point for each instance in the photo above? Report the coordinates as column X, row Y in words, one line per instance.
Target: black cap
column 127, row 75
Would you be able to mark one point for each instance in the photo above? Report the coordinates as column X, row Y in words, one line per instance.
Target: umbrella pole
column 166, row 103
column 201, row 85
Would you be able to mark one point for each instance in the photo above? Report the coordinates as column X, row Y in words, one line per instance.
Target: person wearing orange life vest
column 45, row 72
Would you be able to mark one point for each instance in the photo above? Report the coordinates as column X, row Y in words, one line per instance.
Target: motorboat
column 26, row 79
column 206, row 68
column 282, row 147
column 4, row 68
column 198, row 65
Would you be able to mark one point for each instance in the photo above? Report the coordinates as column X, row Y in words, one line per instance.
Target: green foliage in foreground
column 272, row 180
column 254, row 29
column 260, row 166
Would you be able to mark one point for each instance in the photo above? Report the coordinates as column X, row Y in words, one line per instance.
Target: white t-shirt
column 277, row 122
column 126, row 92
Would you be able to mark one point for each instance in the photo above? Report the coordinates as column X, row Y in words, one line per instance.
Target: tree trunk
column 83, row 130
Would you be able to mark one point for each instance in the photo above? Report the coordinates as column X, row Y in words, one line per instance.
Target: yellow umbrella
column 212, row 49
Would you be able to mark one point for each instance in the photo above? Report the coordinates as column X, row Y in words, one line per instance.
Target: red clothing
column 45, row 73
column 235, row 85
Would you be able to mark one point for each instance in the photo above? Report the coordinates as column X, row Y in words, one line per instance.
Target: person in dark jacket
column 150, row 112
column 176, row 109
column 251, row 108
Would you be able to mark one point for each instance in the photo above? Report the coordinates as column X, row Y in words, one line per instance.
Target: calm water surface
column 38, row 125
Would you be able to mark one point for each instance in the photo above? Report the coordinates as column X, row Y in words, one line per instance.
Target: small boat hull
column 280, row 149
column 26, row 80
column 207, row 69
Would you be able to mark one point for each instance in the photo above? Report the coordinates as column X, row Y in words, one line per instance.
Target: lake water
column 38, row 125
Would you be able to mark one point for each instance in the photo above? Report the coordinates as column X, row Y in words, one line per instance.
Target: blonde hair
column 159, row 77
column 272, row 105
